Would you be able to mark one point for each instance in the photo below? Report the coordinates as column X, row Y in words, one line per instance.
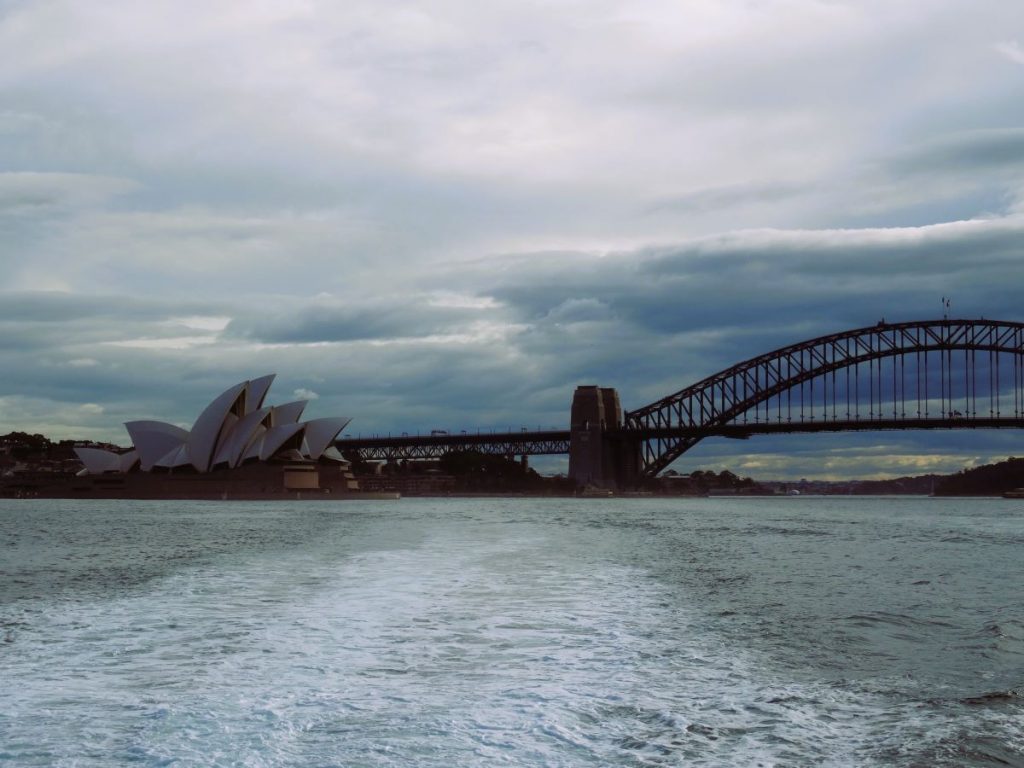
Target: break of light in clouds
column 449, row 215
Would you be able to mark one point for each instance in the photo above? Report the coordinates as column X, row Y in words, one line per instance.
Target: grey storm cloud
column 69, row 309
column 729, row 197
column 969, row 151
column 751, row 279
column 48, row 322
column 27, row 193
column 452, row 214
column 414, row 317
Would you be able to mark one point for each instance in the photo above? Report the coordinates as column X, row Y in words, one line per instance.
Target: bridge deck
column 553, row 442
column 742, row 431
column 538, row 443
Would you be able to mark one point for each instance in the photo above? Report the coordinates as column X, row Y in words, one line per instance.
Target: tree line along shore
column 470, row 472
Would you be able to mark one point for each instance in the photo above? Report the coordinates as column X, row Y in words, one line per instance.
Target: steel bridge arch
column 724, row 397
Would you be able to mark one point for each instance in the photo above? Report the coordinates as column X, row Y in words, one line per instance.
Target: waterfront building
column 238, row 447
column 235, row 429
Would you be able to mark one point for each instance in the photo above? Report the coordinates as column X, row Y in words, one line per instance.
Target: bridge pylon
column 598, row 456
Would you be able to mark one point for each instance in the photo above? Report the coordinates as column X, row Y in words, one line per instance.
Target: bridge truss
column 435, row 446
column 930, row 374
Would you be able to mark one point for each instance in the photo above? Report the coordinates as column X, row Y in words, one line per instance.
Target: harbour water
column 527, row 632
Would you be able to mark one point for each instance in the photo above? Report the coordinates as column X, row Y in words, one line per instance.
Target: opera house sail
column 238, row 439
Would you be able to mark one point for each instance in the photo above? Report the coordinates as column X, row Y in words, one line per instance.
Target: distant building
column 234, row 430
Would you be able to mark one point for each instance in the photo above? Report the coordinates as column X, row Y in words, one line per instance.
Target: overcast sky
column 449, row 214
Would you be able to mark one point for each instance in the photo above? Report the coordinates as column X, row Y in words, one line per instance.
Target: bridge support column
column 627, row 462
column 596, row 457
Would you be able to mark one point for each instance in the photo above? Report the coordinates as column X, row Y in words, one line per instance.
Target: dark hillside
column 989, row 480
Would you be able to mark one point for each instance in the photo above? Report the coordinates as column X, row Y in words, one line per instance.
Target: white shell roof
column 257, row 392
column 208, row 426
column 256, row 446
column 244, row 432
column 176, row 457
column 276, row 437
column 289, row 413
column 333, row 454
column 128, row 460
column 235, row 427
column 153, row 439
column 97, row 460
column 320, row 434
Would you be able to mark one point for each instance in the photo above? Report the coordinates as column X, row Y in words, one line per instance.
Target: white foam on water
column 473, row 648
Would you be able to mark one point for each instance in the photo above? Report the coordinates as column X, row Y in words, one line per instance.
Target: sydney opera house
column 237, row 446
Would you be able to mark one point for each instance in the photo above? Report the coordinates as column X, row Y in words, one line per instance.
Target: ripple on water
column 451, row 634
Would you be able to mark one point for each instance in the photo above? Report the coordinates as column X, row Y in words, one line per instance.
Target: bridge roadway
column 553, row 442
column 537, row 443
column 742, row 431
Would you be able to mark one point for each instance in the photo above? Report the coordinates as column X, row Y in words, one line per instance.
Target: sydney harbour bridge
column 932, row 374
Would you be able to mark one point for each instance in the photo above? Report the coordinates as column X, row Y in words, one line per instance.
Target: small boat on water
column 1016, row 493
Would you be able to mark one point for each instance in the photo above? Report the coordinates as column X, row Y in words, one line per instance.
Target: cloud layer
column 451, row 215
